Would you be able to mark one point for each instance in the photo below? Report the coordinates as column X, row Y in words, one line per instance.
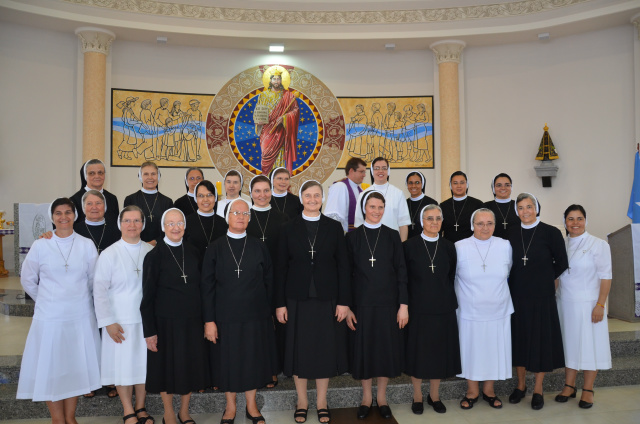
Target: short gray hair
column 430, row 208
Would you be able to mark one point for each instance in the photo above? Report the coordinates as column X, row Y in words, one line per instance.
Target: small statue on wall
column 546, row 153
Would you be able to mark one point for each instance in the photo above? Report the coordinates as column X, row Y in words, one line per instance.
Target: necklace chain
column 213, row 225
column 372, row 260
column 573, row 254
column 429, row 253
column 284, row 206
column 66, row 261
column 152, row 207
column 314, row 240
column 94, row 240
column 264, row 236
column 178, row 263
column 414, row 214
column 504, row 216
column 234, row 256
column 525, row 259
column 484, row 265
column 453, row 205
column 137, row 264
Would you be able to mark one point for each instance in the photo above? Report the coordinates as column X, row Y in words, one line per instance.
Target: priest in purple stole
column 342, row 199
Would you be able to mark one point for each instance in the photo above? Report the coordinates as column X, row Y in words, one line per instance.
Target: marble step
column 13, row 303
column 344, row 392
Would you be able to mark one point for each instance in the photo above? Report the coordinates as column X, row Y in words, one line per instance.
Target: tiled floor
column 613, row 405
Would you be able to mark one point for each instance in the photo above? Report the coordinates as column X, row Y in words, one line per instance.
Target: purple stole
column 352, row 204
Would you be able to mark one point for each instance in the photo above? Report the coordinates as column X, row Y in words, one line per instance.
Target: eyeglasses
column 208, row 196
column 173, row 224
column 195, row 178
column 238, row 213
column 484, row 224
column 432, row 219
column 381, row 168
column 129, row 221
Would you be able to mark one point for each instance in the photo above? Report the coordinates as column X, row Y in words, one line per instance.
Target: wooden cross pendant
column 525, row 259
column 433, row 268
column 184, row 277
column 238, row 271
column 456, row 225
column 312, row 252
column 372, row 260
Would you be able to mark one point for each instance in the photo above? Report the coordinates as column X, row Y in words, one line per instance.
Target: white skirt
column 124, row 364
column 485, row 349
column 586, row 345
column 61, row 360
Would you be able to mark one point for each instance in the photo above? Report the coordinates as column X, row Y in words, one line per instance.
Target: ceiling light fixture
column 276, row 48
column 390, row 46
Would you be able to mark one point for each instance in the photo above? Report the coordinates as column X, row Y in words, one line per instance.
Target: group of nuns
column 176, row 297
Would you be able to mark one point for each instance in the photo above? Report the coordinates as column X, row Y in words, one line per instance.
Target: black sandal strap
column 301, row 413
column 572, row 387
column 126, row 417
column 143, row 409
column 587, row 390
column 324, row 413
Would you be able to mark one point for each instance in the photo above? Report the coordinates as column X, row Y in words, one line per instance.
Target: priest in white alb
column 484, row 309
column 117, row 293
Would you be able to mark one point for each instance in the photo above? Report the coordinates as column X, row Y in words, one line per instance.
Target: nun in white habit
column 484, row 308
column 61, row 358
column 117, row 293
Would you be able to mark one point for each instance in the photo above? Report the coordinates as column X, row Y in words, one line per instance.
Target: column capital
column 448, row 50
column 635, row 20
column 95, row 39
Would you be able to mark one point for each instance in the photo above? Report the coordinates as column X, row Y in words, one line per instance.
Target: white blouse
column 61, row 293
column 589, row 262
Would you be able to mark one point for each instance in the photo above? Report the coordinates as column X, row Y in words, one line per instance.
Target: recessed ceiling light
column 278, row 48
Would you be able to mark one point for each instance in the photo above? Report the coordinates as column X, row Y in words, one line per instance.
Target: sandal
column 143, row 420
column 562, row 398
column 90, row 394
column 324, row 413
column 583, row 403
column 469, row 401
column 300, row 413
column 184, row 422
column 272, row 384
column 255, row 420
column 227, row 420
column 492, row 401
column 128, row 417
column 112, row 392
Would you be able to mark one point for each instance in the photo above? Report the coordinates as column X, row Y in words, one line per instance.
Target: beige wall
column 510, row 92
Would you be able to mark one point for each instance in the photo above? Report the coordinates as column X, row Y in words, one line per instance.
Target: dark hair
column 186, row 176
column 209, row 186
column 277, row 171
column 378, row 159
column 455, row 174
column 353, row 163
column 575, row 207
column 131, row 208
column 501, row 175
column 259, row 179
column 416, row 174
column 374, row 195
column 234, row 173
column 62, row 201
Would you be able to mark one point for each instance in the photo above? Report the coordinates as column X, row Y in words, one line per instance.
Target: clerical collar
column 351, row 183
column 273, row 193
column 417, row 199
column 86, row 188
column 259, row 209
column 172, row 243
column 373, row 226
column 528, row 227
column 131, row 244
column 94, row 223
column 477, row 240
column 427, row 238
column 502, row 200
column 191, row 194
column 206, row 213
column 459, row 199
column 68, row 238
column 144, row 190
column 311, row 218
column 236, row 236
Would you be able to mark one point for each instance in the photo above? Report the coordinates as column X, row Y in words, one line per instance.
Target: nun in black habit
column 432, row 346
column 205, row 226
column 502, row 206
column 539, row 258
column 96, row 225
column 237, row 286
column 187, row 203
column 265, row 225
column 92, row 176
column 380, row 303
column 281, row 199
column 151, row 201
column 417, row 200
column 457, row 210
column 313, row 295
column 171, row 311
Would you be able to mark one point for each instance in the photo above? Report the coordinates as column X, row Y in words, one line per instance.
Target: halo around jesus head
column 276, row 70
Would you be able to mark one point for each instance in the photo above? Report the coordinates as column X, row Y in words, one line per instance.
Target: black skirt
column 376, row 347
column 280, row 330
column 244, row 357
column 433, row 346
column 316, row 344
column 536, row 338
column 180, row 366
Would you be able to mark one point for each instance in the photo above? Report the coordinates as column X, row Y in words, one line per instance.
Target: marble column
column 96, row 43
column 635, row 20
column 448, row 54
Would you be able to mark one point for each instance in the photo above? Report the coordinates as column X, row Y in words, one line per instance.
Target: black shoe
column 492, row 401
column 324, row 413
column 184, row 422
column 584, row 404
column 537, row 401
column 517, row 395
column 254, row 420
column 469, row 401
column 562, row 398
column 227, row 420
column 363, row 411
column 385, row 411
column 300, row 413
column 417, row 408
column 438, row 406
